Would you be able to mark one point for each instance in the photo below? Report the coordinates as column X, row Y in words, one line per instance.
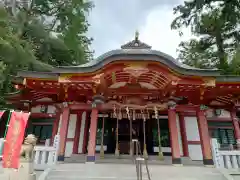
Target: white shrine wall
column 70, row 135
column 224, row 114
column 194, row 145
column 195, row 151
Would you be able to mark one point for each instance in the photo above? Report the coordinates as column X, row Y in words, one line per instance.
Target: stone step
column 126, row 159
column 128, row 172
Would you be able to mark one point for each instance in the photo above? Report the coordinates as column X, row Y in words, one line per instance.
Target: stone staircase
column 127, row 159
column 74, row 171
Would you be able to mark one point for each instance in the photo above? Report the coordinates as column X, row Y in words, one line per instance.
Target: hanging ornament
column 128, row 113
column 114, row 111
column 156, row 112
column 145, row 154
column 134, row 115
column 120, row 114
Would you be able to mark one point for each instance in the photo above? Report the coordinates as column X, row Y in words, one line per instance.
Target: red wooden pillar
column 92, row 137
column 204, row 138
column 183, row 135
column 172, row 121
column 236, row 127
column 63, row 133
column 77, row 133
column 55, row 126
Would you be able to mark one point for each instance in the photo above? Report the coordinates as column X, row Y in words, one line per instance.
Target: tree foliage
column 215, row 24
column 39, row 34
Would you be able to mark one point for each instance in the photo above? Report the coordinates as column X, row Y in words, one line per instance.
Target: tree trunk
column 221, row 52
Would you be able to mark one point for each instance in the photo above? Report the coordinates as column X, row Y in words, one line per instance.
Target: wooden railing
column 229, row 159
column 46, row 156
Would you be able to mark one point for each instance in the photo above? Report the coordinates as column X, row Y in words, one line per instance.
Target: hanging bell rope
column 130, row 129
column 160, row 154
column 102, row 139
column 117, row 134
column 145, row 154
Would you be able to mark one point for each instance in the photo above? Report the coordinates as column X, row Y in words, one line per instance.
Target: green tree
column 234, row 65
column 194, row 53
column 216, row 27
column 37, row 35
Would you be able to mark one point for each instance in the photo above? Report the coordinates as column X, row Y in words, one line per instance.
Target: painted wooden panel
column 179, row 136
column 195, row 151
column 192, row 129
column 82, row 129
column 69, row 148
column 72, row 125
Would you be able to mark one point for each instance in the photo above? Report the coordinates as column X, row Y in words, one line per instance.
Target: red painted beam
column 183, row 108
column 42, row 115
column 132, row 91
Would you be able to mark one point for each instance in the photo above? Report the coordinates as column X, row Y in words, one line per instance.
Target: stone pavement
column 128, row 172
column 38, row 173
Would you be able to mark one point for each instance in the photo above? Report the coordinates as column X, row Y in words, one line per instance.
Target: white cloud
column 114, row 23
column 157, row 31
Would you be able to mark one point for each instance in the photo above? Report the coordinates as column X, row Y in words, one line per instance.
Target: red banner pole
column 14, row 139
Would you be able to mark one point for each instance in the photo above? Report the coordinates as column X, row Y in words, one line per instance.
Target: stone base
column 25, row 172
column 91, row 158
column 61, row 158
column 208, row 162
column 176, row 161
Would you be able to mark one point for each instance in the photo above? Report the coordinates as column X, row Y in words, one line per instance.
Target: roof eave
column 120, row 55
column 38, row 75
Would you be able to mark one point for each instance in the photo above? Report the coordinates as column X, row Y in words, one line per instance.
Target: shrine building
column 131, row 93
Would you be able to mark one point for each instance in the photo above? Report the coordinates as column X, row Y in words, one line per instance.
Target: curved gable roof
column 136, row 50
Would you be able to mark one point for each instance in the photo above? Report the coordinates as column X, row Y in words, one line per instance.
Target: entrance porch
column 151, row 135
column 100, row 138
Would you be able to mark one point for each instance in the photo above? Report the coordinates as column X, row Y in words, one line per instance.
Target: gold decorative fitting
column 202, row 91
column 24, row 81
column 136, row 69
column 174, row 83
column 113, row 77
column 64, row 78
column 209, row 82
column 66, row 92
column 94, row 90
column 97, row 79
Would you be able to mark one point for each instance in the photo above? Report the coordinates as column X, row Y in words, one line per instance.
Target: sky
column 114, row 22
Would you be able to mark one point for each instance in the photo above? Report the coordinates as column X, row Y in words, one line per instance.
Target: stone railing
column 229, row 159
column 46, row 156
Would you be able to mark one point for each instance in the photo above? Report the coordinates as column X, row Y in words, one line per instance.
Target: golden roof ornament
column 136, row 43
column 137, row 35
